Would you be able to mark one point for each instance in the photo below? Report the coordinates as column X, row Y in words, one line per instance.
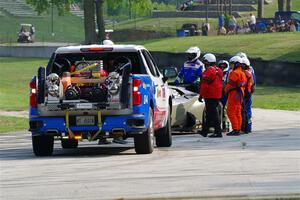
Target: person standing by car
column 235, row 91
column 224, row 66
column 249, row 103
column 191, row 71
column 248, row 92
column 211, row 91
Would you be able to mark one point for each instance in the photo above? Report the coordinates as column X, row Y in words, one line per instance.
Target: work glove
column 200, row 99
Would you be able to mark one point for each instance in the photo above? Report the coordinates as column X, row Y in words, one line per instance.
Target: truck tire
column 42, row 145
column 144, row 143
column 163, row 136
column 69, row 144
column 41, row 85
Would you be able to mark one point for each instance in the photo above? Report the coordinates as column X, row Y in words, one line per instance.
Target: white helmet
column 236, row 59
column 108, row 42
column 209, row 57
column 195, row 51
column 245, row 61
column 224, row 62
column 241, row 54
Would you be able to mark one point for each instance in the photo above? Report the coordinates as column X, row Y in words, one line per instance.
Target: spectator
column 221, row 24
column 204, row 29
column 252, row 22
column 282, row 27
column 292, row 27
column 232, row 25
column 271, row 28
column 222, row 31
column 261, row 27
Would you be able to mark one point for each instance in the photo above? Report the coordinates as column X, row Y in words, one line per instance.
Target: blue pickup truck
column 99, row 91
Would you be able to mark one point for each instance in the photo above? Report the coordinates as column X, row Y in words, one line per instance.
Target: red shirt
column 211, row 83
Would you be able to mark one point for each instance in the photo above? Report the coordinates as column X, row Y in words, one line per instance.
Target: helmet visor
column 191, row 56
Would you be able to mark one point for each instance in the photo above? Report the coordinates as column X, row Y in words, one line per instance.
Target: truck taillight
column 137, row 97
column 33, row 96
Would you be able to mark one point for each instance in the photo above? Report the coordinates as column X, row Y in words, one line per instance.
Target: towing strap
column 71, row 134
column 99, row 127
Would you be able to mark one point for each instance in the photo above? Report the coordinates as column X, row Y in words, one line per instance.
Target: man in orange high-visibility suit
column 235, row 91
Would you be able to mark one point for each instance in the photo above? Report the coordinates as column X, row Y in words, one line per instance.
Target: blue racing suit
column 249, row 103
column 190, row 72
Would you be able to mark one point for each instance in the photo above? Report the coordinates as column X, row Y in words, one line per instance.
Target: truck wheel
column 69, row 144
column 42, row 145
column 144, row 143
column 163, row 136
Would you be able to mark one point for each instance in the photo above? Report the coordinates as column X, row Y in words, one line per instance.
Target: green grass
column 168, row 25
column 282, row 98
column 14, row 88
column 11, row 124
column 15, row 76
column 67, row 29
column 274, row 46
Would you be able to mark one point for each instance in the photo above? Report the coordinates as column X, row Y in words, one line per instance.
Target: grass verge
column 15, row 76
column 11, row 124
column 281, row 98
column 17, row 72
column 273, row 46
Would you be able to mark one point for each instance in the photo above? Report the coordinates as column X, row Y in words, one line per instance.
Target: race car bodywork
column 187, row 111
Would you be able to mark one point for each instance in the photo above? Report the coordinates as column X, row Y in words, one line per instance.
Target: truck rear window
column 69, row 62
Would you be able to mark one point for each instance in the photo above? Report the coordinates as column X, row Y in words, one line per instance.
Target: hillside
column 273, row 46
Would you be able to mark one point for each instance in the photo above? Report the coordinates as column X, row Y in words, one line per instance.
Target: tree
column 260, row 8
column 138, row 7
column 288, row 5
column 100, row 19
column 42, row 5
column 89, row 22
column 230, row 7
column 280, row 5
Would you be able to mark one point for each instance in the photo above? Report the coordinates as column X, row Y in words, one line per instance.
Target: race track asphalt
column 264, row 162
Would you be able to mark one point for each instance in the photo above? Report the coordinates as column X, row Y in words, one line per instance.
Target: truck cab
column 94, row 91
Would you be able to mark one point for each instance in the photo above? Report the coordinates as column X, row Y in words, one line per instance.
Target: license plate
column 84, row 106
column 85, row 120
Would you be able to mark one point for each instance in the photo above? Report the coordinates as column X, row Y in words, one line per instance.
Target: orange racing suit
column 235, row 89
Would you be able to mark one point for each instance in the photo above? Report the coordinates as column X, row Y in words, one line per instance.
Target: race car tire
column 41, row 85
column 163, row 136
column 42, row 145
column 144, row 143
column 69, row 143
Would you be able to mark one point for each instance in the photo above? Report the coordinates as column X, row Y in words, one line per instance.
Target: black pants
column 212, row 116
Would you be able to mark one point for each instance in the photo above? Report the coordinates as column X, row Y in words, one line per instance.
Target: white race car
column 188, row 114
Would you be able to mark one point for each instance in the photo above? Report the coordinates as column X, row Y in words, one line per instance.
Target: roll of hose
column 100, row 94
column 72, row 93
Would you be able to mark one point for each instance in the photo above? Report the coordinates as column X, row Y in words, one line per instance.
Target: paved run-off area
column 265, row 162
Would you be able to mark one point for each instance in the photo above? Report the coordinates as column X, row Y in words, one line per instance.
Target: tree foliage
column 42, row 6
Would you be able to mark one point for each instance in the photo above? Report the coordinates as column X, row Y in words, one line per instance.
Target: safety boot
column 216, row 135
column 234, row 133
